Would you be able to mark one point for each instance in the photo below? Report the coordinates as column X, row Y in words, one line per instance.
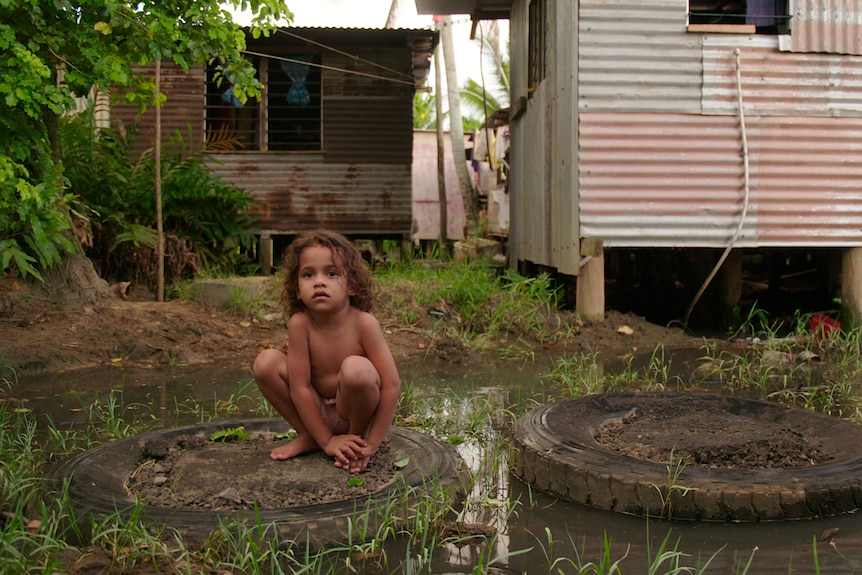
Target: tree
column 53, row 52
column 491, row 92
column 456, row 126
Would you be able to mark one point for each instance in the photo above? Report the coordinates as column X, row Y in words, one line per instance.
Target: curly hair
column 344, row 254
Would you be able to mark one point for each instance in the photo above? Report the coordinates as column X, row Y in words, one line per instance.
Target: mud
column 708, row 436
column 194, row 472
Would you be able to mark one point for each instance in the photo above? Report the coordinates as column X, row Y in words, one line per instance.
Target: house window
column 739, row 16
column 291, row 119
column 228, row 119
column 538, row 43
column 294, row 97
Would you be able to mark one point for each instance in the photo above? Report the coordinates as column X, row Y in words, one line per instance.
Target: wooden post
column 730, row 278
column 590, row 295
column 266, row 254
column 851, row 287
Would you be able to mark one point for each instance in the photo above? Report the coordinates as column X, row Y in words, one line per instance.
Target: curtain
column 298, row 73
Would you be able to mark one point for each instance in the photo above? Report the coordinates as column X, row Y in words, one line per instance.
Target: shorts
column 330, row 416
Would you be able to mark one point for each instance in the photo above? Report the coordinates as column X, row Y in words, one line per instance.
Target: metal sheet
column 778, row 83
column 426, row 195
column 301, row 193
column 673, row 180
column 833, row 26
column 635, row 55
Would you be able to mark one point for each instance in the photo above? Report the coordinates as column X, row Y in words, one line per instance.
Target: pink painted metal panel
column 676, row 180
column 827, row 26
column 426, row 198
column 780, row 83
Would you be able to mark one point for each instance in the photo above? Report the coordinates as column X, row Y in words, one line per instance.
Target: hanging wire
column 332, row 68
column 343, row 53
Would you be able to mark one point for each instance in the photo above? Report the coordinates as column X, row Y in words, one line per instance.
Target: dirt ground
column 38, row 335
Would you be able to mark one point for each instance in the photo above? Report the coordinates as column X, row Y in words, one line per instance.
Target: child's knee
column 267, row 363
column 359, row 370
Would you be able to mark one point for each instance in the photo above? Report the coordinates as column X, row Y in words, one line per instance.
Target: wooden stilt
column 266, row 254
column 851, row 287
column 590, row 296
column 730, row 277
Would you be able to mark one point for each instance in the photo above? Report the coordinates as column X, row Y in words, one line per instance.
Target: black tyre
column 97, row 477
column 555, row 450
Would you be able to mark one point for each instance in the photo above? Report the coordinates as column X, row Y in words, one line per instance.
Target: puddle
column 548, row 527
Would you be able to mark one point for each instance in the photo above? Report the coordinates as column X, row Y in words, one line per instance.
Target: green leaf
column 355, row 481
column 402, row 463
column 230, row 434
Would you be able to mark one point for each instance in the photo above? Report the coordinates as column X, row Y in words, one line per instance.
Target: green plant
column 667, row 493
column 230, row 434
column 206, row 221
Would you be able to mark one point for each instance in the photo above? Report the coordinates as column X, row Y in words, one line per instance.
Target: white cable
column 739, row 227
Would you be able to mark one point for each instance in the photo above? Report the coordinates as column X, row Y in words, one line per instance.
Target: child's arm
column 304, row 396
column 380, row 355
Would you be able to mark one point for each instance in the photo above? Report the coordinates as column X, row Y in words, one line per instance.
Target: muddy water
column 550, row 528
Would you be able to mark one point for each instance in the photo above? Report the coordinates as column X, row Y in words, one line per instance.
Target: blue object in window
column 298, row 73
column 228, row 96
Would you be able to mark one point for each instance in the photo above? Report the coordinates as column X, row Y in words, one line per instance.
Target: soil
column 728, row 441
column 198, row 473
column 39, row 335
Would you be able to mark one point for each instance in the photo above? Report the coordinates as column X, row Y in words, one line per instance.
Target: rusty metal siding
column 833, row 26
column 635, row 55
column 183, row 112
column 674, row 180
column 301, row 192
column 778, row 83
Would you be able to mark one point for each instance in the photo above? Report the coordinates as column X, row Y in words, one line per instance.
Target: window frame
column 734, row 22
column 266, row 118
column 537, row 44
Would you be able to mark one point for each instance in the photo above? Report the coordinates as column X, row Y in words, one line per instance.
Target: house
column 329, row 144
column 660, row 148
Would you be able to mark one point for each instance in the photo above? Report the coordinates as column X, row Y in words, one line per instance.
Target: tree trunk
column 456, row 126
column 157, row 160
column 74, row 281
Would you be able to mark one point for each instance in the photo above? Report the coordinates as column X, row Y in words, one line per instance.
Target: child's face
column 322, row 283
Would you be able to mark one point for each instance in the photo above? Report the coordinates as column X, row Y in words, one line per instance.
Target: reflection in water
column 535, row 533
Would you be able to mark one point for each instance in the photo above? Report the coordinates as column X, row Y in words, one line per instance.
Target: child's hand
column 345, row 449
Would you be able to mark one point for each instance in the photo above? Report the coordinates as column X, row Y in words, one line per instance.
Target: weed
column 667, row 493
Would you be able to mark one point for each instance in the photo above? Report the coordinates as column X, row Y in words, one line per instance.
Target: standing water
column 533, row 532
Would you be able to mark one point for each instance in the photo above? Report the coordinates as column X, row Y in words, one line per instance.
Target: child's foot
column 302, row 443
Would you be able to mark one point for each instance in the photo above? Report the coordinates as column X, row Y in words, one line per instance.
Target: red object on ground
column 823, row 324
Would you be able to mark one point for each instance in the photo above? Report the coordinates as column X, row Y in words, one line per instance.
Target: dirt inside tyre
column 98, row 486
column 702, row 475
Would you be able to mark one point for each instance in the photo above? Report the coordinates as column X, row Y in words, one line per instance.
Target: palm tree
column 491, row 93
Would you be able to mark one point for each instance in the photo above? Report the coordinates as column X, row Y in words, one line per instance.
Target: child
column 338, row 385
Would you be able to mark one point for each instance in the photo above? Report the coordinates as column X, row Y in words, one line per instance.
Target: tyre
column 97, row 480
column 555, row 450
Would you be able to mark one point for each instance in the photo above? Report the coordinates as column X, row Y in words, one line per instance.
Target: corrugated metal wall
column 360, row 182
column 184, row 111
column 635, row 56
column 659, row 146
column 302, row 192
column 826, row 26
